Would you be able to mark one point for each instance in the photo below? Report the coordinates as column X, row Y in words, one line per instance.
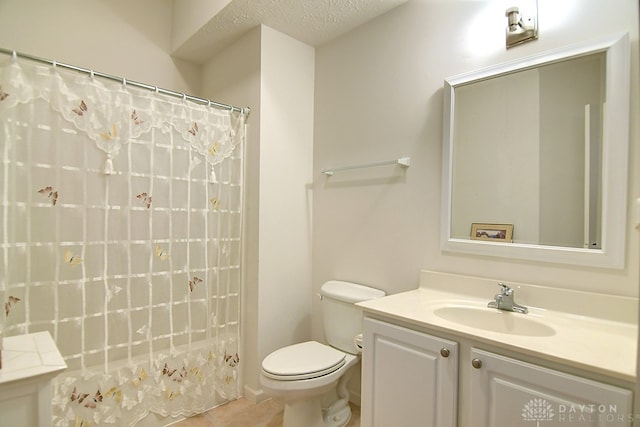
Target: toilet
column 302, row 374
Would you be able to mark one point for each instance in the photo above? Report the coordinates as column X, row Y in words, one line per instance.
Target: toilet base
column 306, row 412
column 339, row 417
column 309, row 413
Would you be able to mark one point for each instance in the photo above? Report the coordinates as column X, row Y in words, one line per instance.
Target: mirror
column 535, row 157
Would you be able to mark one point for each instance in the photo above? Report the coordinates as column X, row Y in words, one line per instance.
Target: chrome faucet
column 504, row 301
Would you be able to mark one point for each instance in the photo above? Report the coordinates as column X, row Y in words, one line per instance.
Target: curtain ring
column 209, row 103
column 14, row 56
column 184, row 96
column 92, row 74
column 124, row 82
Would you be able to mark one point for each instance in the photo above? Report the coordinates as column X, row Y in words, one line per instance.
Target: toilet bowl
column 302, row 391
column 302, row 374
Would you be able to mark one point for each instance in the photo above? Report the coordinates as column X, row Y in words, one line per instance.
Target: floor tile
column 242, row 413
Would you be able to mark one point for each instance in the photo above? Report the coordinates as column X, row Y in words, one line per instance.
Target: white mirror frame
column 614, row 165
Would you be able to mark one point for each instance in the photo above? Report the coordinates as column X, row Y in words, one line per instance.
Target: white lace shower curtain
column 120, row 233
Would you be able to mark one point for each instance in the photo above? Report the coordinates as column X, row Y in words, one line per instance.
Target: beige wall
column 273, row 74
column 124, row 38
column 189, row 16
column 240, row 81
column 286, row 164
column 379, row 97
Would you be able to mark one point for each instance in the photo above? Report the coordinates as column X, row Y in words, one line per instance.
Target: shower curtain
column 120, row 233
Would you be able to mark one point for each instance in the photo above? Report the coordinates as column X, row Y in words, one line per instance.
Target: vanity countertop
column 604, row 343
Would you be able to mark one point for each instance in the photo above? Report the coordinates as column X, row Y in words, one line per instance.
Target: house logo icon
column 537, row 410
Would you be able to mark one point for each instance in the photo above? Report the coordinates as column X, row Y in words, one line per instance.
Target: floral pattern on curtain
column 120, row 226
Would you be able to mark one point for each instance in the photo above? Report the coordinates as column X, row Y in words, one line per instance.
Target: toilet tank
column 341, row 318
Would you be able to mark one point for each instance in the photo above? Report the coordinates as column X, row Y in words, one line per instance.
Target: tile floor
column 242, row 413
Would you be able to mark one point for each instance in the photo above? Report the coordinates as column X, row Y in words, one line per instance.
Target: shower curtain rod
column 204, row 101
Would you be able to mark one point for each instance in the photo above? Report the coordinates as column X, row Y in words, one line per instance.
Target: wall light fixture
column 521, row 29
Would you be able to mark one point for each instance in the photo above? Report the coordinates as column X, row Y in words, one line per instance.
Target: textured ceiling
column 311, row 21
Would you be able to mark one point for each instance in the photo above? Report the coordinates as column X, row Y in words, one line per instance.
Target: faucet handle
column 506, row 290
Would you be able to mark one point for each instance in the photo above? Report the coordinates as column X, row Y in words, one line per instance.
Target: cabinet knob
column 444, row 352
column 476, row 363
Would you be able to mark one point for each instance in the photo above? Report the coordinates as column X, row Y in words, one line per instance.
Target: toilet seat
column 301, row 361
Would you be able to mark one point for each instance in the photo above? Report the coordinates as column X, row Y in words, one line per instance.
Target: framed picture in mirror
column 492, row 232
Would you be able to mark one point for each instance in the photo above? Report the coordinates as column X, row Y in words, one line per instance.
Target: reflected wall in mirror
column 541, row 143
column 522, row 138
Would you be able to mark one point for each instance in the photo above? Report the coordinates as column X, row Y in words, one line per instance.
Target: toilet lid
column 306, row 360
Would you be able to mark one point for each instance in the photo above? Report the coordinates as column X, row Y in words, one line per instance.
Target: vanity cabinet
column 509, row 392
column 409, row 378
column 412, row 378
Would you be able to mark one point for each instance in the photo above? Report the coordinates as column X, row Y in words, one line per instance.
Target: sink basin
column 490, row 319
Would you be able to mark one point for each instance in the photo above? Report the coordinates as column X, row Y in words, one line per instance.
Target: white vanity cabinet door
column 508, row 392
column 409, row 379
